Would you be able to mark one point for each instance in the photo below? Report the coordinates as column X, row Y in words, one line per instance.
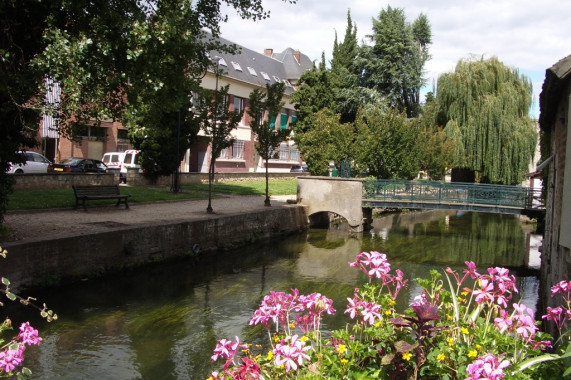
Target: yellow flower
column 449, row 317
column 460, row 299
column 472, row 354
column 276, row 338
column 450, row 341
column 388, row 312
column 478, row 347
column 464, row 293
column 209, row 378
column 344, row 361
column 341, row 349
column 464, row 331
column 270, row 355
column 440, row 357
column 406, row 356
column 303, row 338
column 392, row 302
column 258, row 357
column 378, row 323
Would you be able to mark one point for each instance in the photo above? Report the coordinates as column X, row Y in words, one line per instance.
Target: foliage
column 388, row 144
column 265, row 107
column 12, row 350
column 459, row 329
column 485, row 108
column 135, row 61
column 437, row 149
column 327, row 139
column 393, row 64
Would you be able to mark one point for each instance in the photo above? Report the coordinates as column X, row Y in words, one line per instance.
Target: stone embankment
column 59, row 246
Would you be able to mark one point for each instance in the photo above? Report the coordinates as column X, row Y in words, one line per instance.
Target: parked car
column 299, row 169
column 130, row 161
column 33, row 163
column 83, row 165
column 113, row 160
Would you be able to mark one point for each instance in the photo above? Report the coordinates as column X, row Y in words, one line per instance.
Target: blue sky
column 530, row 35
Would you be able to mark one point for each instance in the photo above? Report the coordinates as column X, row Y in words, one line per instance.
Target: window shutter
column 283, row 121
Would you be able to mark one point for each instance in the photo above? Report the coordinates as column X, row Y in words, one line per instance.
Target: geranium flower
column 227, row 349
column 487, row 367
column 291, row 353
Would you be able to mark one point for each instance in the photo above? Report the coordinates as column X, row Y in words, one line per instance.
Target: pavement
column 30, row 225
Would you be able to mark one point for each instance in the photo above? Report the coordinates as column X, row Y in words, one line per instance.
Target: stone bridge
column 342, row 196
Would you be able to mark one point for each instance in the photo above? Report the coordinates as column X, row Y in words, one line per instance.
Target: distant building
column 244, row 72
column 555, row 125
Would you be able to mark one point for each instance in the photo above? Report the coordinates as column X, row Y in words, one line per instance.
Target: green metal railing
column 451, row 193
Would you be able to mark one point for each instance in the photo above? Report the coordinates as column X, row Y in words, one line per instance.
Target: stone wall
column 67, row 259
column 134, row 178
column 61, row 180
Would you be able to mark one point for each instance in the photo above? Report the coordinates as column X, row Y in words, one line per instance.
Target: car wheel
column 19, row 171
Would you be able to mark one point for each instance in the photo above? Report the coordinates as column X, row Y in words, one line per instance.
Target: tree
column 263, row 126
column 485, row 108
column 388, row 144
column 217, row 121
column 393, row 64
column 130, row 60
column 327, row 139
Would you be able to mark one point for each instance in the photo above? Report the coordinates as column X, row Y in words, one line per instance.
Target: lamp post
column 209, row 209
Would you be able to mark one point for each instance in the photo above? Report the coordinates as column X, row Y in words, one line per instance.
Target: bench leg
column 84, row 206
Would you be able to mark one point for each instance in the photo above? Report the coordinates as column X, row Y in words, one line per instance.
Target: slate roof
column 556, row 78
column 243, row 65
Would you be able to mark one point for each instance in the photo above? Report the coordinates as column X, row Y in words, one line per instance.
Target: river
column 162, row 322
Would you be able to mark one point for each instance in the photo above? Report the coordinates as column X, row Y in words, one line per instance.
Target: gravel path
column 32, row 225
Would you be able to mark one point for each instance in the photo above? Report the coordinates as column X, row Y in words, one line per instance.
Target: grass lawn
column 63, row 198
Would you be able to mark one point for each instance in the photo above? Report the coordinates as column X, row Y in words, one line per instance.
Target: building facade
column 555, row 123
column 243, row 72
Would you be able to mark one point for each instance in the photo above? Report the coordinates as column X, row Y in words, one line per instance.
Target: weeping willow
column 485, row 108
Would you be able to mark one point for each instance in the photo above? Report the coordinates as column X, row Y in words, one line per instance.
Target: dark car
column 83, row 165
column 299, row 169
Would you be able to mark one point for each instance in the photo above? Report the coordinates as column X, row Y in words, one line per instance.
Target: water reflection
column 163, row 322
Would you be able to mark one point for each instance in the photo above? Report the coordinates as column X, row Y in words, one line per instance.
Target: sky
column 529, row 35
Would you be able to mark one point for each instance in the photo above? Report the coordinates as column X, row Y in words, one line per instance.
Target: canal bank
column 60, row 246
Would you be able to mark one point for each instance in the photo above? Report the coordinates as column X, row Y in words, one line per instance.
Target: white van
column 113, row 160
column 130, row 161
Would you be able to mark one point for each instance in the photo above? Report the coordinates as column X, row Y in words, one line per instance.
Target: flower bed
column 462, row 326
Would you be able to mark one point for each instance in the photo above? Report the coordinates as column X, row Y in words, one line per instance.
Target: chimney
column 297, row 56
column 269, row 52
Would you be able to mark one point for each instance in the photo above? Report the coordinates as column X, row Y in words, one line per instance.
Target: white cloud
column 529, row 35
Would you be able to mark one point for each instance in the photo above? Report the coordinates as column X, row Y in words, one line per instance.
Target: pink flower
column 487, row 367
column 370, row 311
column 291, row 352
column 10, row 359
column 556, row 315
column 227, row 349
column 28, row 335
column 419, row 300
column 503, row 321
column 524, row 322
column 485, row 292
column 353, row 306
column 561, row 287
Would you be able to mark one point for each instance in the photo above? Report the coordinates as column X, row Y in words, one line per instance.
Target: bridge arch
column 343, row 196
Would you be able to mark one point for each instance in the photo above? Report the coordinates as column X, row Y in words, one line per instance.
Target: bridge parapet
column 342, row 196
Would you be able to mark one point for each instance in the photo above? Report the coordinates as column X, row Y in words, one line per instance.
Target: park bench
column 93, row 193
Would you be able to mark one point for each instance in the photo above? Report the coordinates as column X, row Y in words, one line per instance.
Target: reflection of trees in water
column 487, row 239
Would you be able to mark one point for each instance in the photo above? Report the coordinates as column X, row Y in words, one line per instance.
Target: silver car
column 34, row 163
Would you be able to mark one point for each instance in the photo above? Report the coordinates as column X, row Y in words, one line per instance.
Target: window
column 238, row 104
column 91, row 131
column 236, row 66
column 122, row 134
column 294, row 154
column 283, row 121
column 284, row 151
column 238, row 150
column 277, row 79
column 265, row 76
column 222, row 62
column 287, row 83
column 252, row 71
column 235, row 152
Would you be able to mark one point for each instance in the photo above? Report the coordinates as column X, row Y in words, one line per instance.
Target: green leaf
column 5, row 281
column 454, row 300
column 537, row 360
column 11, row 296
